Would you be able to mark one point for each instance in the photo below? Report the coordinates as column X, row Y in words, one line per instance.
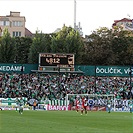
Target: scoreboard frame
column 56, row 60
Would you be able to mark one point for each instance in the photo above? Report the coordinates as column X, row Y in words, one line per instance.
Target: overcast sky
column 48, row 15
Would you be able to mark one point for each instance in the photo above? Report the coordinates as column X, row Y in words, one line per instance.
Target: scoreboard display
column 56, row 60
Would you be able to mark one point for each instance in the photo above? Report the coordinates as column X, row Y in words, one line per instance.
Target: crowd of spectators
column 56, row 86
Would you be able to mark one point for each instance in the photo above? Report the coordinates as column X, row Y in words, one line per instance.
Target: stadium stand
column 53, row 87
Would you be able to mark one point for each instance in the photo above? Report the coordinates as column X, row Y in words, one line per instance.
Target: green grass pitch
column 65, row 122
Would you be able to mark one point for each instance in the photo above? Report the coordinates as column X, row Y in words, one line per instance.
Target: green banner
column 7, row 101
column 105, row 70
column 18, row 68
column 122, row 71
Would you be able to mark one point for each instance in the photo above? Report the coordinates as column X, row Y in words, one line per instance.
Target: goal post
column 99, row 100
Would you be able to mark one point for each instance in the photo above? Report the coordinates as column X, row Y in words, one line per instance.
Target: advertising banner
column 12, row 108
column 122, row 109
column 113, row 71
column 55, row 107
column 7, row 101
column 18, row 68
column 41, row 107
column 95, row 108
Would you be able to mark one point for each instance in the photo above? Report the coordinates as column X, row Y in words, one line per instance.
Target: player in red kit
column 77, row 104
column 84, row 105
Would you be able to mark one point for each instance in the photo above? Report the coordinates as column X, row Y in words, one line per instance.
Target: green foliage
column 121, row 45
column 103, row 47
column 107, row 47
column 68, row 41
column 98, row 47
column 22, row 46
column 6, row 48
column 41, row 44
column 65, row 41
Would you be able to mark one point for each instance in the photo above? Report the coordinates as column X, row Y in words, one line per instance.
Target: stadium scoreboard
column 56, row 60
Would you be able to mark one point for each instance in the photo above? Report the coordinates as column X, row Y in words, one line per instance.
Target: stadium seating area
column 44, row 86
